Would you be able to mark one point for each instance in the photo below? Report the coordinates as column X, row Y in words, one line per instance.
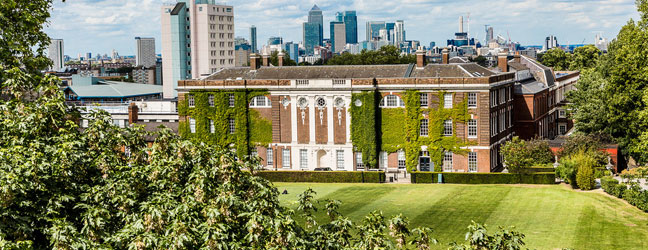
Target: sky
column 99, row 26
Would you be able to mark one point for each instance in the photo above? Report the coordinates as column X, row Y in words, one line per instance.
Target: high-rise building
column 399, row 32
column 145, row 52
column 88, row 56
column 275, row 40
column 292, row 50
column 373, row 29
column 313, row 30
column 253, row 39
column 339, row 17
column 338, row 36
column 56, row 54
column 351, row 24
column 550, row 43
column 489, row 35
column 389, row 30
column 197, row 40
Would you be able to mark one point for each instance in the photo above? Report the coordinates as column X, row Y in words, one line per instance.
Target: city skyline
column 111, row 25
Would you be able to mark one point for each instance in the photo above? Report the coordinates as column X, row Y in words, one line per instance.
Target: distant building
column 144, row 75
column 145, row 51
column 292, row 50
column 90, row 89
column 56, row 54
column 550, row 43
column 399, row 32
column 197, row 40
column 601, row 42
column 351, row 25
column 373, row 29
column 273, row 40
column 313, row 30
column 114, row 56
column 253, row 39
column 242, row 54
column 489, row 35
column 338, row 36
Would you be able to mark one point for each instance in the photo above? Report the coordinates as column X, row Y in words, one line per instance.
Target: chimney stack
column 502, row 62
column 266, row 60
column 280, row 58
column 254, row 61
column 445, row 56
column 133, row 111
column 420, row 58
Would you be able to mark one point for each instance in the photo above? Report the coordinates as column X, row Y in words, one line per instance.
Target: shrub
column 484, row 178
column 567, row 171
column 519, row 155
column 579, row 170
column 585, row 175
column 324, row 176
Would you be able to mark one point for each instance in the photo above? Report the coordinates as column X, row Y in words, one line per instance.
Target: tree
column 556, row 58
column 519, row 154
column 287, row 61
column 481, row 60
column 584, row 57
column 478, row 238
column 385, row 55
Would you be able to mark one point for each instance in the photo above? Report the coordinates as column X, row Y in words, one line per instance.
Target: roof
column 352, row 72
column 529, row 87
column 517, row 66
column 458, row 59
column 116, row 90
column 315, row 7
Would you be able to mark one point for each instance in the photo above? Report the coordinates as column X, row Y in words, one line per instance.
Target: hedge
column 484, row 178
column 541, row 170
column 324, row 176
column 633, row 194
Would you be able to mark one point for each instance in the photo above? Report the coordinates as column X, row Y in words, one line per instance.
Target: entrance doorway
column 424, row 161
column 322, row 161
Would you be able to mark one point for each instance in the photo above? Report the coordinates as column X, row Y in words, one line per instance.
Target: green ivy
column 249, row 125
column 399, row 128
column 363, row 126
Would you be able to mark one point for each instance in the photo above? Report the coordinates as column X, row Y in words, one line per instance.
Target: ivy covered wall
column 251, row 128
column 375, row 129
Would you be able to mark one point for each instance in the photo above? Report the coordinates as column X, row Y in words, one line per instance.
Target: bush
column 541, row 169
column 579, row 170
column 484, row 178
column 585, row 175
column 567, row 171
column 520, row 155
column 324, row 176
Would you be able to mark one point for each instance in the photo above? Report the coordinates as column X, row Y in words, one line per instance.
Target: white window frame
column 472, row 162
column 384, row 159
column 285, row 159
column 192, row 125
column 472, row 128
column 447, row 162
column 562, row 113
column 269, row 157
column 359, row 164
column 447, row 100
column 212, row 128
column 303, row 158
column 447, row 128
column 211, row 100
column 423, row 97
column 425, row 126
column 472, row 100
column 260, row 102
column 191, row 100
column 562, row 131
column 392, row 101
column 232, row 126
column 402, row 160
column 231, row 100
column 339, row 155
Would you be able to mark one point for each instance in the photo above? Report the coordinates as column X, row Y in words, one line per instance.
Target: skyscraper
column 253, row 39
column 489, row 35
column 275, row 40
column 389, row 30
column 55, row 53
column 338, row 36
column 197, row 40
column 373, row 29
column 550, row 43
column 145, row 52
column 313, row 30
column 399, row 32
column 351, row 24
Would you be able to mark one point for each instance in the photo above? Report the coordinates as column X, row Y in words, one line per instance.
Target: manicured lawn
column 551, row 217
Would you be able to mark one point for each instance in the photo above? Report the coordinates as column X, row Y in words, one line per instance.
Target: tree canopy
column 385, row 55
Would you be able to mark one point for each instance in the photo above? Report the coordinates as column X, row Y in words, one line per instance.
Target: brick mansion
column 452, row 117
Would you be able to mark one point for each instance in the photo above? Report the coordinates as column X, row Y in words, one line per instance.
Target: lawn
column 551, row 216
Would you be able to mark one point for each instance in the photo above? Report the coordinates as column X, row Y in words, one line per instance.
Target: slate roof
column 352, row 72
column 116, row 90
column 529, row 87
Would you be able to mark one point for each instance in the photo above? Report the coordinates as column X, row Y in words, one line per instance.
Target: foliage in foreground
column 519, row 155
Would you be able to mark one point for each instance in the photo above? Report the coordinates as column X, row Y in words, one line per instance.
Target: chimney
column 266, row 60
column 516, row 57
column 280, row 58
column 254, row 61
column 420, row 58
column 445, row 56
column 502, row 62
column 133, row 110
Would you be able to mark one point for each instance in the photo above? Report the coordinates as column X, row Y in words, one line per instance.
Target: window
column 192, row 125
column 211, row 100
column 447, row 101
column 562, row 129
column 301, row 82
column 562, row 113
column 339, row 82
column 339, row 159
column 232, row 100
column 384, row 159
column 260, row 102
column 392, row 101
column 401, row 159
column 212, row 129
column 502, row 93
column 472, row 128
column 472, row 162
column 359, row 164
column 191, row 101
column 472, row 100
column 285, row 159
column 320, row 102
column 447, row 128
column 303, row 159
column 424, row 127
column 424, row 100
column 232, row 126
column 269, row 157
column 447, row 162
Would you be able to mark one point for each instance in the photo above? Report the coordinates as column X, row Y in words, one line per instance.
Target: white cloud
column 98, row 26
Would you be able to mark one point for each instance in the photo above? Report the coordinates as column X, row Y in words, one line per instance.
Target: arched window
column 392, row 101
column 260, row 102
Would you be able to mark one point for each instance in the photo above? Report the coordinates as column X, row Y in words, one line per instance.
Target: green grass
column 551, row 216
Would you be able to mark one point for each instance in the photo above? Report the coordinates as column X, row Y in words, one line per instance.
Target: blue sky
column 98, row 26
